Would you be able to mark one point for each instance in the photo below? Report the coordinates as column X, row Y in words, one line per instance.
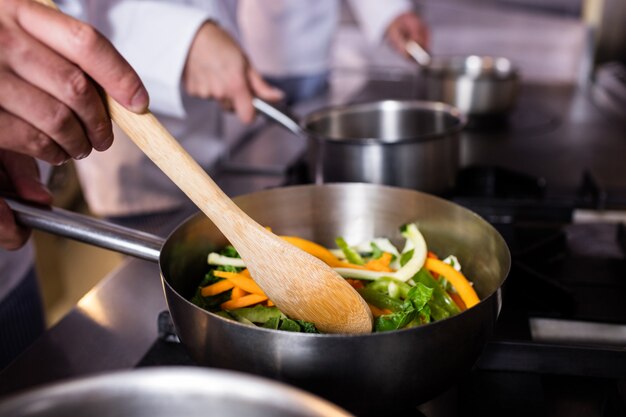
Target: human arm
column 217, row 68
column 49, row 106
column 178, row 48
column 393, row 20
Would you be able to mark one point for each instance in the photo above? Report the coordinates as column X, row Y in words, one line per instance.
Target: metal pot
column 166, row 392
column 368, row 374
column 409, row 144
column 476, row 85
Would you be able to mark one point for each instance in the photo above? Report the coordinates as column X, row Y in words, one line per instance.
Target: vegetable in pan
column 403, row 289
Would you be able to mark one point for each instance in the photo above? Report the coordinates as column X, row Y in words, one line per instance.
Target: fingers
column 241, row 97
column 44, row 113
column 405, row 27
column 23, row 174
column 83, row 45
column 20, row 174
column 41, row 67
column 18, row 136
column 261, row 88
column 12, row 236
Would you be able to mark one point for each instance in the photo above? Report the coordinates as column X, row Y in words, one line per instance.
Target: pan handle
column 418, row 53
column 87, row 229
column 284, row 118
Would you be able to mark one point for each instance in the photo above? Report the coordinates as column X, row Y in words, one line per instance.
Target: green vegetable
column 414, row 311
column 307, row 326
column 289, row 325
column 351, row 255
column 411, row 266
column 272, row 323
column 396, row 320
column 420, row 295
column 406, row 257
column 271, row 318
column 442, row 306
column 257, row 314
column 376, row 251
column 379, row 299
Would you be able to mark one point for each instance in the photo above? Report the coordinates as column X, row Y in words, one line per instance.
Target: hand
column 405, row 27
column 217, row 68
column 49, row 106
column 19, row 174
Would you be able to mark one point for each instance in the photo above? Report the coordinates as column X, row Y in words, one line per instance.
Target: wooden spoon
column 301, row 286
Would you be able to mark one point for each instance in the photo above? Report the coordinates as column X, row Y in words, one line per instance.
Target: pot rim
column 482, row 303
column 481, row 67
column 433, row 106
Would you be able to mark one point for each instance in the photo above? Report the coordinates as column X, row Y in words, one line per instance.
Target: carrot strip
column 270, row 303
column 237, row 293
column 356, row 283
column 241, row 281
column 319, row 252
column 377, row 311
column 381, row 264
column 217, row 288
column 245, row 301
column 458, row 281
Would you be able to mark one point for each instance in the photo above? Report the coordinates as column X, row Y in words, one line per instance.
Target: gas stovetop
column 560, row 337
column 551, row 178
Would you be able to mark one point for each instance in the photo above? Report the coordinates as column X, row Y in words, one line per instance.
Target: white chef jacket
column 155, row 37
column 294, row 37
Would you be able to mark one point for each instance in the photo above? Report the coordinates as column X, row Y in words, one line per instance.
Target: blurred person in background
column 51, row 110
column 188, row 55
column 290, row 41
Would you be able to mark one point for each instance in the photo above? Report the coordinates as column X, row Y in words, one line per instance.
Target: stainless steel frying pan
column 367, row 374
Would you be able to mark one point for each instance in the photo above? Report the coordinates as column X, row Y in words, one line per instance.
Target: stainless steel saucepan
column 476, row 85
column 370, row 374
column 409, row 144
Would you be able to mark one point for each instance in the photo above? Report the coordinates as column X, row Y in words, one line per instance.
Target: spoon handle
column 164, row 150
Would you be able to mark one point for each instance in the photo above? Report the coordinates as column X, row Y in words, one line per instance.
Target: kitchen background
column 556, row 42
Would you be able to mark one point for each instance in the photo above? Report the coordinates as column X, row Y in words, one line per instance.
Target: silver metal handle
column 89, row 230
column 283, row 118
column 418, row 53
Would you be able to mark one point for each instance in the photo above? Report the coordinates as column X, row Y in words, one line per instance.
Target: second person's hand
column 407, row 26
column 217, row 68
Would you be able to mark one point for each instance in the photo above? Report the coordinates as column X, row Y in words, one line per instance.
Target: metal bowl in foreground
column 166, row 392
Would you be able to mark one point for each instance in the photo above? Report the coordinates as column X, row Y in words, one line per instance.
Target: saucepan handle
column 88, row 229
column 283, row 117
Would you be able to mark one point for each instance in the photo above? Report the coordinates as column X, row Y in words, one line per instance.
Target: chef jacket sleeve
column 374, row 16
column 154, row 36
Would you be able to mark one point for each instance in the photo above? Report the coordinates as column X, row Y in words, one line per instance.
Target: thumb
column 261, row 88
column 23, row 173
